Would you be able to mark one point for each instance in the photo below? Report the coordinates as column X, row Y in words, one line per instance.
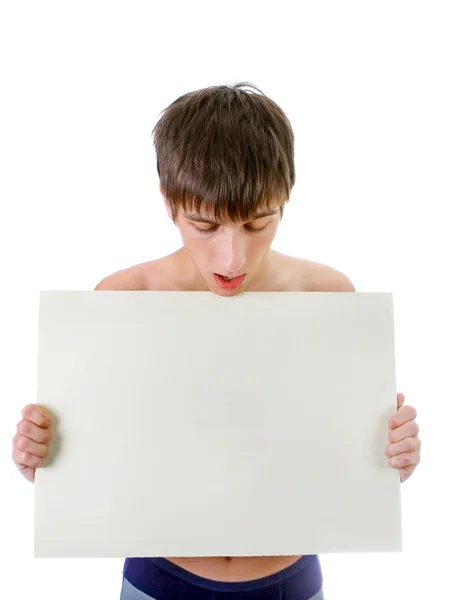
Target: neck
column 186, row 272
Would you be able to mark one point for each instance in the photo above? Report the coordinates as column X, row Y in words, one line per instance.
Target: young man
column 225, row 158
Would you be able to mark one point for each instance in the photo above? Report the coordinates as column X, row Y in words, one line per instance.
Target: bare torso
column 288, row 274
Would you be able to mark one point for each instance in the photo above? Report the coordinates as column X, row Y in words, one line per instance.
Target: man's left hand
column 404, row 445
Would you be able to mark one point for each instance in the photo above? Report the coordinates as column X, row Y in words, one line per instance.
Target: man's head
column 225, row 156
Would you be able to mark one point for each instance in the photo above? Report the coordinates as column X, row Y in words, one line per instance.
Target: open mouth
column 227, row 283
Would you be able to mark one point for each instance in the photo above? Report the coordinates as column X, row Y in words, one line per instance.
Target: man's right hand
column 31, row 442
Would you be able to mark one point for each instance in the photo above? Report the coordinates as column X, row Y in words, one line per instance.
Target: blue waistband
column 231, row 586
column 139, row 571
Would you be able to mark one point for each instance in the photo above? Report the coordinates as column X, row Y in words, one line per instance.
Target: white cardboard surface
column 190, row 424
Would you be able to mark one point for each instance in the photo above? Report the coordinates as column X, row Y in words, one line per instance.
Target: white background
column 367, row 89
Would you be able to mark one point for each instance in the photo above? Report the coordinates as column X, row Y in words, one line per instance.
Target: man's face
column 227, row 249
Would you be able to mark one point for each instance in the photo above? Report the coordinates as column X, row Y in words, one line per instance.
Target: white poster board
column 190, row 424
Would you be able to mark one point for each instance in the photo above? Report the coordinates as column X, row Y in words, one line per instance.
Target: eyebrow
column 200, row 219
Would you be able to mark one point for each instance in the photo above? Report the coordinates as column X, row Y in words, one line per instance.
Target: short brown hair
column 225, row 150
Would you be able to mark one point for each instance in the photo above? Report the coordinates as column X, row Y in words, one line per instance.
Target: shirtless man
column 227, row 237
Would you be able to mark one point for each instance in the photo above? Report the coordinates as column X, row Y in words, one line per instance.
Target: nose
column 233, row 253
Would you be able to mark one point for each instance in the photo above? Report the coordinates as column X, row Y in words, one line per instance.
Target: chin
column 226, row 293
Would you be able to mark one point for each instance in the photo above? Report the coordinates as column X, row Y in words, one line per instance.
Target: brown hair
column 225, row 150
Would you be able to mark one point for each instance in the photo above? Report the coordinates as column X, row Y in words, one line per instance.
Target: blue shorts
column 160, row 579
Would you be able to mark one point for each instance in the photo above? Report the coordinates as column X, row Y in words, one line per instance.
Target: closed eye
column 247, row 227
column 205, row 231
column 256, row 229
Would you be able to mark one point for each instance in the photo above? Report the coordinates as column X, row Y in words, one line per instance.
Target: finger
column 29, row 472
column 405, row 460
column 24, row 444
column 35, row 413
column 409, row 429
column 405, row 413
column 31, row 430
column 408, row 445
column 24, row 459
column 400, row 400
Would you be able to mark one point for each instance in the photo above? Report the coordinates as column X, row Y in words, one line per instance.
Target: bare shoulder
column 132, row 278
column 323, row 278
column 303, row 275
column 151, row 275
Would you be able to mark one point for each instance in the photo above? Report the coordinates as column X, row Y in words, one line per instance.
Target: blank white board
column 191, row 424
